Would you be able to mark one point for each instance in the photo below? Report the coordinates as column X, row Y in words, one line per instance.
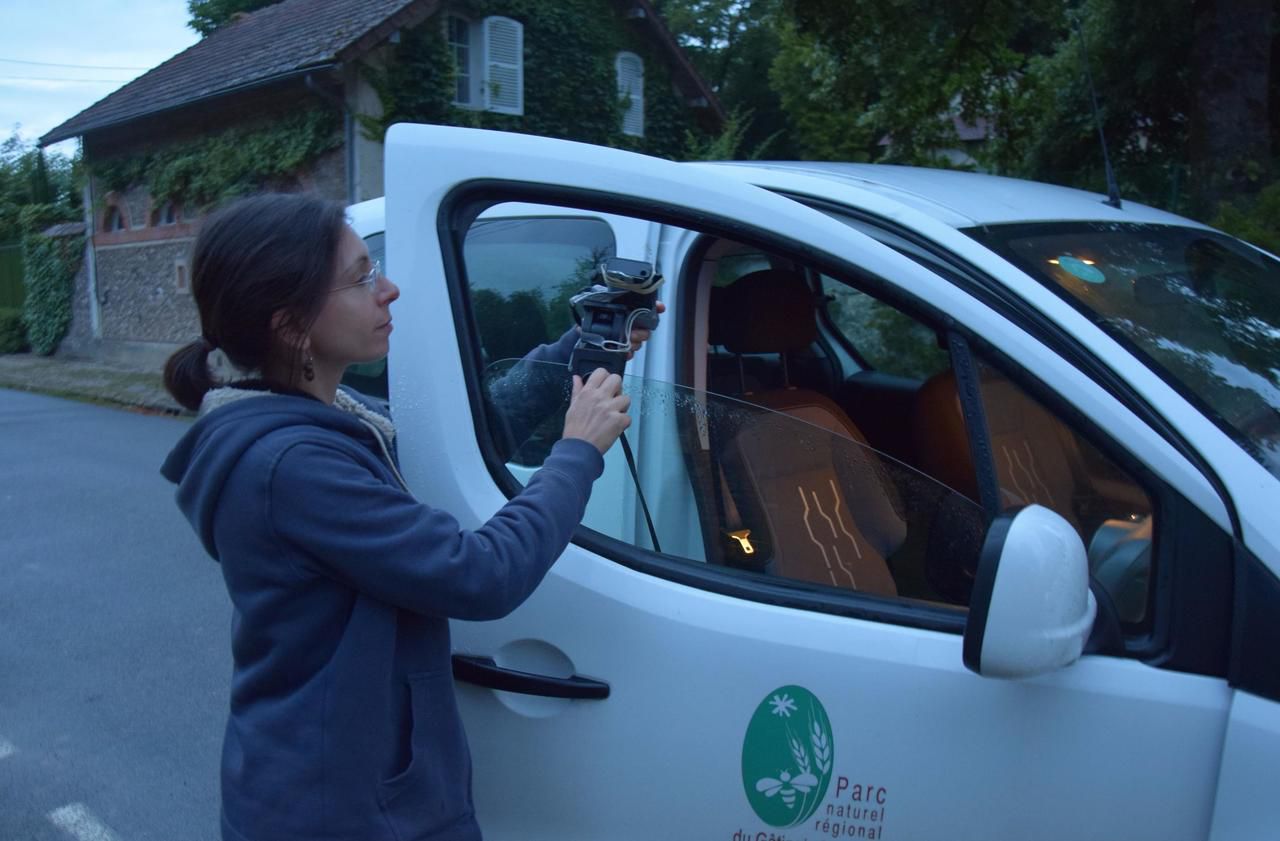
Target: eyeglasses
column 368, row 280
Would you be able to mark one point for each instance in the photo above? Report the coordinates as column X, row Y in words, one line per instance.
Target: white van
column 953, row 512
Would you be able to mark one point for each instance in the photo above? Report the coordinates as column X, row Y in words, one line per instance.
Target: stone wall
column 327, row 177
column 140, row 297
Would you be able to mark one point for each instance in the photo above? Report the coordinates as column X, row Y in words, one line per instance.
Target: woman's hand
column 597, row 410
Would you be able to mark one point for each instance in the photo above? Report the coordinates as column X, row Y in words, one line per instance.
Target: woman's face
column 355, row 323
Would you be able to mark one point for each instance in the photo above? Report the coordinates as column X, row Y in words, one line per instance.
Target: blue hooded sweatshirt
column 343, row 723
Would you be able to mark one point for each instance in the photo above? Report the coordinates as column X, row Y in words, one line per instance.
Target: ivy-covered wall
column 570, row 84
column 233, row 161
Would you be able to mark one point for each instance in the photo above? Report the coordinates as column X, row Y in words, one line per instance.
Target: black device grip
column 585, row 359
column 646, row 320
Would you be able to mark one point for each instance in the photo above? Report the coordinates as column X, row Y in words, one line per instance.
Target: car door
column 645, row 694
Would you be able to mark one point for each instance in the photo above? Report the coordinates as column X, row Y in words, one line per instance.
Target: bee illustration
column 787, row 786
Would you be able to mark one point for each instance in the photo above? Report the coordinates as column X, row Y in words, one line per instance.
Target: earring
column 308, row 368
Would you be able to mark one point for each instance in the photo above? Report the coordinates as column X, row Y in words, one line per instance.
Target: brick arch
column 114, row 207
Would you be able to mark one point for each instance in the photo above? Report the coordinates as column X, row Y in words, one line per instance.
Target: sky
column 58, row 57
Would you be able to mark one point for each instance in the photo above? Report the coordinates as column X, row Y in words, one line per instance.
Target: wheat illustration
column 799, row 754
column 821, row 742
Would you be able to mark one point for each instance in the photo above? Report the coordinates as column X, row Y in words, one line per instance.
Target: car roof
column 955, row 197
column 965, row 199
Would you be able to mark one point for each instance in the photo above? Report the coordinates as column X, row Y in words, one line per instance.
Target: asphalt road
column 114, row 626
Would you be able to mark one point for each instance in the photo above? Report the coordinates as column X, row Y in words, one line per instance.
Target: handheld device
column 622, row 298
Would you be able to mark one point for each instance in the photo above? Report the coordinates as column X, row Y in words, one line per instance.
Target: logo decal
column 787, row 756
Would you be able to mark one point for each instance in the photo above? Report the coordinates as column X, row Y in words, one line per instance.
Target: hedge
column 51, row 266
column 13, row 336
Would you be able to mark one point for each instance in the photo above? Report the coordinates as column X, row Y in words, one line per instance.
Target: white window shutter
column 630, row 71
column 503, row 65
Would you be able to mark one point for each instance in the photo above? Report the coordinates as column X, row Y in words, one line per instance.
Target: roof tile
column 283, row 38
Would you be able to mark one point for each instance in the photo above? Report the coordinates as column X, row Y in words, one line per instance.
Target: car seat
column 1032, row 451
column 821, row 495
column 1038, row 459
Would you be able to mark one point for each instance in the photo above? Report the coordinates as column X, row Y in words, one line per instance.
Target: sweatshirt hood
column 231, row 421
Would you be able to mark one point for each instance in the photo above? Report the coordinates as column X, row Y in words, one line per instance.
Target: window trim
column 457, row 211
column 469, row 71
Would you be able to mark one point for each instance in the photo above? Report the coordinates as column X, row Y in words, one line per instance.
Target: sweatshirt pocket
column 434, row 791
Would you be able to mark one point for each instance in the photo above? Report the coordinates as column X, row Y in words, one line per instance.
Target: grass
column 134, row 390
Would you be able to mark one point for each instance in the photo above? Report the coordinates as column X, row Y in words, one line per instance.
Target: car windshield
column 1200, row 308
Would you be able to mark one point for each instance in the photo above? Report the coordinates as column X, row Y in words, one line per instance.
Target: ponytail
column 186, row 374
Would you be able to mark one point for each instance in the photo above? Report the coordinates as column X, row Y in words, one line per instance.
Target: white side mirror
column 1031, row 610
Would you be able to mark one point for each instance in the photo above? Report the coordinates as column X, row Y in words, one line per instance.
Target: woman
column 343, row 723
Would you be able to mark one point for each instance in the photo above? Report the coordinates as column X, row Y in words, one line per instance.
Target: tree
column 1230, row 144
column 899, row 70
column 208, row 15
column 732, row 43
column 36, row 190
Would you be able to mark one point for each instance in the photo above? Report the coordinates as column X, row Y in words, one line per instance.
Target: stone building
column 317, row 73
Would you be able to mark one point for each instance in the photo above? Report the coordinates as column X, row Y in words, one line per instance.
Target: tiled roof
column 286, row 39
column 275, row 41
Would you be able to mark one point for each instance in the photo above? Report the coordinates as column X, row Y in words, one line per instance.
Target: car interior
column 774, row 338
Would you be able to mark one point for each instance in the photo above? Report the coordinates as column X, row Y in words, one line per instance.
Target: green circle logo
column 787, row 756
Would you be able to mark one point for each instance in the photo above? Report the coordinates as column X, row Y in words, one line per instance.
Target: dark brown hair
column 253, row 258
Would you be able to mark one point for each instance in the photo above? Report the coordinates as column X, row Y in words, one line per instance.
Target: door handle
column 482, row 671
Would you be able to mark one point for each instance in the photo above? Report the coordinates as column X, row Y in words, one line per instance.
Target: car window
column 1200, row 308
column 1039, row 458
column 521, row 272
column 765, row 478
column 884, row 338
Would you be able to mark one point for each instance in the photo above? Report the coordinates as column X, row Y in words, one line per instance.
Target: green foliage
column 732, row 43
column 51, row 266
column 571, row 88
column 417, row 84
column 208, row 15
column 233, row 162
column 730, row 144
column 13, row 336
column 827, row 120
column 1137, row 56
column 36, row 190
column 1254, row 220
column 902, row 69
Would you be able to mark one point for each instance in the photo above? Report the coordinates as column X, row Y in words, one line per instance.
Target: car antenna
column 1113, row 189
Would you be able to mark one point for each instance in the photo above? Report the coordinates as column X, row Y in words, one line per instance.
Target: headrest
column 769, row 311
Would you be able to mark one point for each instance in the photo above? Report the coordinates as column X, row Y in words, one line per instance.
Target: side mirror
column 1031, row 610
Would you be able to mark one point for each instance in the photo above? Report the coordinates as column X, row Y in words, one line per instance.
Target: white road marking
column 78, row 822
column 6, row 748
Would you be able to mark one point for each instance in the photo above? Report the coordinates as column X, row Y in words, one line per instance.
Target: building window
column 489, row 61
column 458, row 34
column 630, row 72
column 181, row 280
column 114, row 220
column 165, row 214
